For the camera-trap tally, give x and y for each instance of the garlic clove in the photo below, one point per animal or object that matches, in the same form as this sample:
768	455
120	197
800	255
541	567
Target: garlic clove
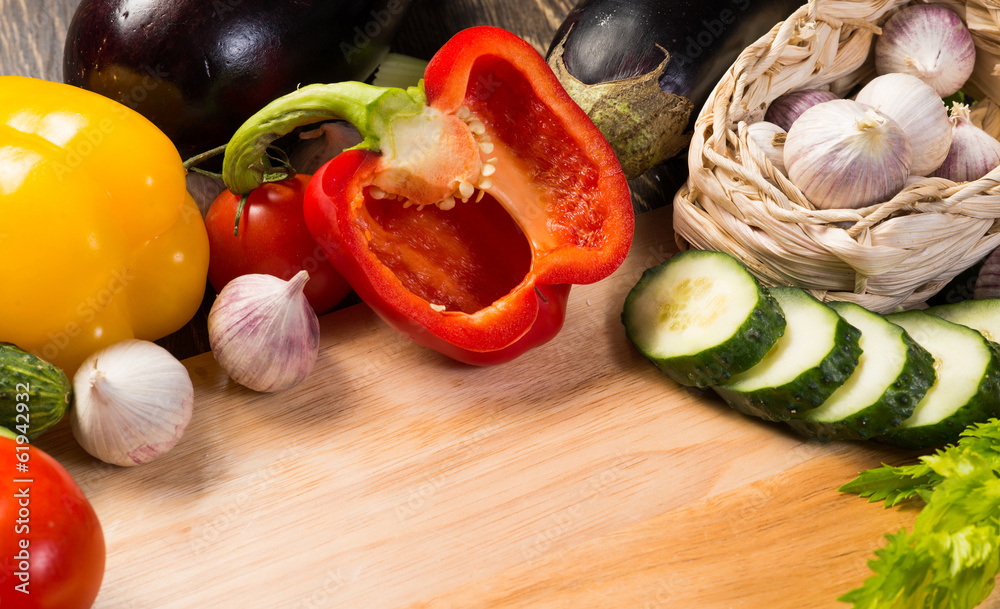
930	42
770	138
786	108
844	154
263	332
987	284
919	112
973	152
133	401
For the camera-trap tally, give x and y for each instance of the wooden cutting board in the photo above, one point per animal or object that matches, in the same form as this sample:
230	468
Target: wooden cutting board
576	476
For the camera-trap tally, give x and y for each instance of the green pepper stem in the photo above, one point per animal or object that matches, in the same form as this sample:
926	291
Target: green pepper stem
367	107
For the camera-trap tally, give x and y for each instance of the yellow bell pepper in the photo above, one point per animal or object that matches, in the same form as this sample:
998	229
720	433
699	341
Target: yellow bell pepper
99	239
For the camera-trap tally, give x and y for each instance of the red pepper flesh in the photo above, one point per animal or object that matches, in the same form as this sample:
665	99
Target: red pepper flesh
472	204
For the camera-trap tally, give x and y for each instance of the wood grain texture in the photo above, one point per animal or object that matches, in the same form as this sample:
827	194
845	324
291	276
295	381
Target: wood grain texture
32	35
577	476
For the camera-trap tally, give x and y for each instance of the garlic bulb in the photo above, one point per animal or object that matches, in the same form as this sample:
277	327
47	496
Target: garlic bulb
133	401
987	284
930	42
973	154
263	332
918	110
770	138
842	153
787	107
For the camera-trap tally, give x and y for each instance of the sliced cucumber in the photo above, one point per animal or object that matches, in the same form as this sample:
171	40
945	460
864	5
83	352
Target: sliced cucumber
967	388
982	316
817	354
893	374
701	317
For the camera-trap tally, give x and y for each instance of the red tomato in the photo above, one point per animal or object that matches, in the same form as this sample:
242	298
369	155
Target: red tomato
52	543
272	240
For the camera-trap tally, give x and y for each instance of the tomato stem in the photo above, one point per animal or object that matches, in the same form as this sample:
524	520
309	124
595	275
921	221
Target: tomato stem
191	164
239	214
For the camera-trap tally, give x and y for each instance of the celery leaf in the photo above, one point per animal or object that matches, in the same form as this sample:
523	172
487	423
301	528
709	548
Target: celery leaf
951	558
893	484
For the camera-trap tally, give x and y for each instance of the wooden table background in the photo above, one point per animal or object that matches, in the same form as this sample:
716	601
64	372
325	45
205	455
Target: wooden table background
575	477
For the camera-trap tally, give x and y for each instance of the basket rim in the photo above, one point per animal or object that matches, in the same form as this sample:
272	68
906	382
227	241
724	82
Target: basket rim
730	180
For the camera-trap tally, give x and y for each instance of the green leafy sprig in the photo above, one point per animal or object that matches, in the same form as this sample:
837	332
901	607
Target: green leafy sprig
951	558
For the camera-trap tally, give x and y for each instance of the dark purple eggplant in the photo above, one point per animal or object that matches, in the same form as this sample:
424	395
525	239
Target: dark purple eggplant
642	69
199	68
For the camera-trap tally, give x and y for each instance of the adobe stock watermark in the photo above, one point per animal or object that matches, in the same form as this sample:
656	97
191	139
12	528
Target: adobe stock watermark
221	7
239	507
419	497
150	81
94	134
663	594
565	520
86	312
375	27
334	581
713	30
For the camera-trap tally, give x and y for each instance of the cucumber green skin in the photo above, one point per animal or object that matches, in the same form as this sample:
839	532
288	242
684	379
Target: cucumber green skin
888	412
740	352
809	389
49	391
984	405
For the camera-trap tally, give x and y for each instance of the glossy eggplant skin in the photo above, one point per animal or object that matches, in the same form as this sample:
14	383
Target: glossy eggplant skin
199	68
688	45
608	40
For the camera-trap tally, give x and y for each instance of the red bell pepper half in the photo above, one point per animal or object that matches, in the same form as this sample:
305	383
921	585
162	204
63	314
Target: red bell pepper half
472	203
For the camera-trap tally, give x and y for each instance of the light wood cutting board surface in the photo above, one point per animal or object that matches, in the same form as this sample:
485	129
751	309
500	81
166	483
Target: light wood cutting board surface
577	476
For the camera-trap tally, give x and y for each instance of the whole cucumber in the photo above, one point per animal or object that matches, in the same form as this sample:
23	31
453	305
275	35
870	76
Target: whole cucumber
34	394
199	68
642	69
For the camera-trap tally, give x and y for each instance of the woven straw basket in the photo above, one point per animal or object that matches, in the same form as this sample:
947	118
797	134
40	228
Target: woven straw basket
885	257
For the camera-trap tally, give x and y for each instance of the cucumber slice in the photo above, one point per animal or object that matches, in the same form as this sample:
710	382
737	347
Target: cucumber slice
967	389
701	317
982	315
817	354
893	374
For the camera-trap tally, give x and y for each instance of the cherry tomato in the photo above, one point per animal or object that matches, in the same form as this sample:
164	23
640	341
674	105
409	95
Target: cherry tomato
272	240
52	543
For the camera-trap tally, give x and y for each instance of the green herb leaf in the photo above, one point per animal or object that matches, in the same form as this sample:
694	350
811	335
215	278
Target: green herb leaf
952	557
942	570
893	484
